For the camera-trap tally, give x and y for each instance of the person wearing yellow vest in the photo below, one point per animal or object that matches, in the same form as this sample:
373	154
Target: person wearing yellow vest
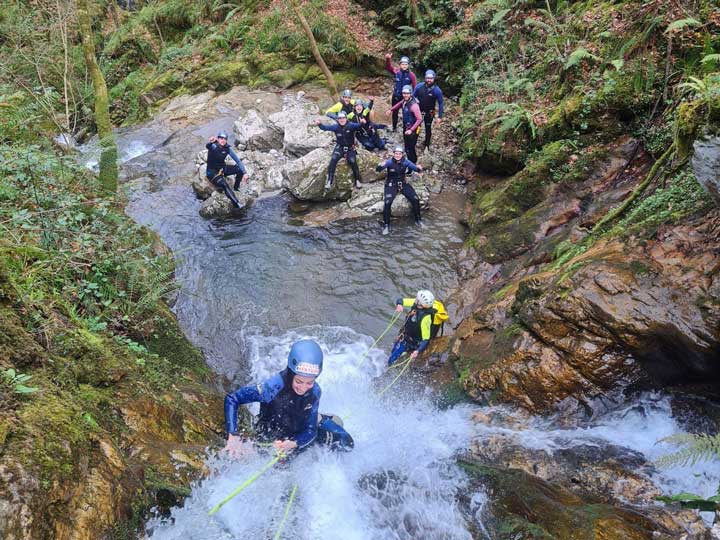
425	318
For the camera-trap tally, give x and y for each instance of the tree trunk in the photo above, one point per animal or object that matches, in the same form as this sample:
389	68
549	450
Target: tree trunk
316	52
108	155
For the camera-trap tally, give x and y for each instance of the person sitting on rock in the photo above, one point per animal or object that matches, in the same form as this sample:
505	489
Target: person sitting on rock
395	182
402	77
412	118
344	147
289	407
428	94
418	328
345	105
217	170
369	133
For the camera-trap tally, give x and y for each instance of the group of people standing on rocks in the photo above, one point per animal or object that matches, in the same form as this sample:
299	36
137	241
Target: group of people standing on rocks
412	103
290	418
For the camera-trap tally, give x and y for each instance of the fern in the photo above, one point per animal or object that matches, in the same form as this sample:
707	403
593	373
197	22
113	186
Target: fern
499	16
530	22
512	118
577	56
693	448
711	58
681	24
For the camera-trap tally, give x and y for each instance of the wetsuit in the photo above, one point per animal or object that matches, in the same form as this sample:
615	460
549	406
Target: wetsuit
218	170
283	413
401	78
369	133
412	118
428	96
416	333
344	148
395	183
286	415
333	111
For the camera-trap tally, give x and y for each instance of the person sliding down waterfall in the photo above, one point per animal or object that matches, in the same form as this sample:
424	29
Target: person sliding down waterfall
412	118
426	317
402	77
289	404
345	105
428	94
395	182
217	170
344	147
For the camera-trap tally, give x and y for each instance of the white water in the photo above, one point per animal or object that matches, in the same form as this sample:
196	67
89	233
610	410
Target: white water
402	438
638	426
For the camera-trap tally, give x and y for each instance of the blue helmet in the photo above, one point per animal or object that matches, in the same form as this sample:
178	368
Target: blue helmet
222	135
429	74
404	60
407	89
346	93
342	114
305	358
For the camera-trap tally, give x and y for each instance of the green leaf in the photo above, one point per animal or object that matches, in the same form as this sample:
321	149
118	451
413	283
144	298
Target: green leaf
530	22
681	24
711	58
22	389
499	16
577	56
618	64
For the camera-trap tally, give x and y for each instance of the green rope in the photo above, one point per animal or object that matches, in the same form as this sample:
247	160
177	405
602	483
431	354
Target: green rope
285	515
246	483
393	320
407	364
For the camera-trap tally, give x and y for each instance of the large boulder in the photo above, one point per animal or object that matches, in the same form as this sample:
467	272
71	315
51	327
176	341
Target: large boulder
297	120
254	132
370	199
305	177
706	164
265	168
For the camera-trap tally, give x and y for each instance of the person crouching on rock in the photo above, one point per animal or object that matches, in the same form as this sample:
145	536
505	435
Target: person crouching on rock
217	170
345	105
418	328
369	133
395	182
289	405
344	147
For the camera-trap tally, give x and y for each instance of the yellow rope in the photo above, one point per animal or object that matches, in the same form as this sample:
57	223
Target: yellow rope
285	515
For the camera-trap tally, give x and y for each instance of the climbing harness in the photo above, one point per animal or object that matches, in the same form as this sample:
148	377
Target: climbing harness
285	514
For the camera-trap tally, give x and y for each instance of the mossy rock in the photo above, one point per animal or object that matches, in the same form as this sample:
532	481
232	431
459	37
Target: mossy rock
18	348
220	77
525	506
161	87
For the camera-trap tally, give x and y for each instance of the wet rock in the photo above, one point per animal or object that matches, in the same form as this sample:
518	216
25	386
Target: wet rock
254	132
706	164
202	187
265	168
524	506
219	206
305	178
370	199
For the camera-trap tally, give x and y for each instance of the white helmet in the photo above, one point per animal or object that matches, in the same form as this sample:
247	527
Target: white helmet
425	298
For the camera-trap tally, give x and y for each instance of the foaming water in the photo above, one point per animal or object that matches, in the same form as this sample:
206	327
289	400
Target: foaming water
639	426
400	482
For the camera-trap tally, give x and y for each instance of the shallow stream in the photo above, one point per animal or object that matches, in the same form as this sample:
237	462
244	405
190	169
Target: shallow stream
252	285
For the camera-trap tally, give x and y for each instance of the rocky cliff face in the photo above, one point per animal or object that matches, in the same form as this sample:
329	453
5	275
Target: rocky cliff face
641	306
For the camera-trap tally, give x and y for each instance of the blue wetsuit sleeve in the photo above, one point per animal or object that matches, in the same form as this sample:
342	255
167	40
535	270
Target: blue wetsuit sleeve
380	126
309	433
209	145
441	105
238	161
410	165
264	393
382	166
241	396
354	125
417	88
325	127
423	345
